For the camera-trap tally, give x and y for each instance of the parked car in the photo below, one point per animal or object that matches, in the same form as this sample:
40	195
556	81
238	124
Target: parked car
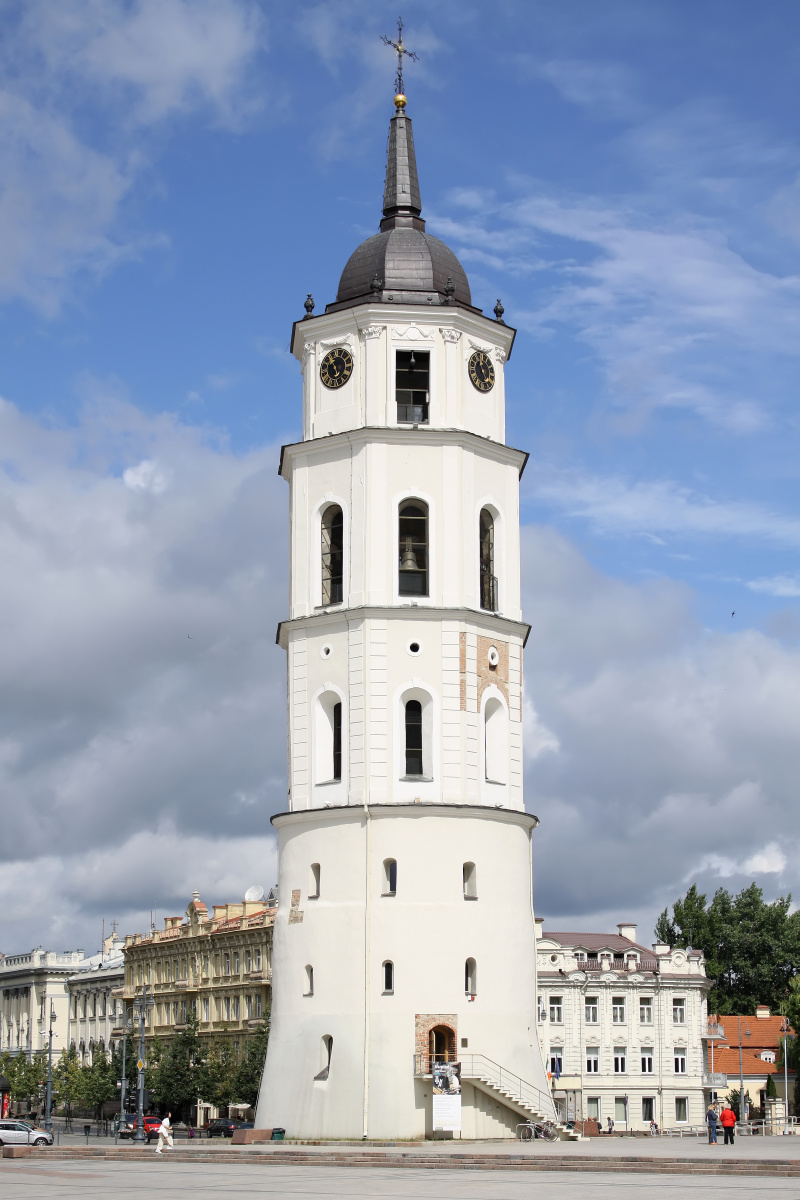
22	1133
223	1126
127	1126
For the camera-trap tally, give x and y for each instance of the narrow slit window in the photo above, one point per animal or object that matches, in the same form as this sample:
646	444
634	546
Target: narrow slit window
309	981
313	883
326	1052
413	737
337	741
495	722
413	549
470	881
332	555
412	379
389	877
388	977
488	576
470	977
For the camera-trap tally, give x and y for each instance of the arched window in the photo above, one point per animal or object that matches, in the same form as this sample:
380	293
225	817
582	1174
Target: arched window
388	977
325	1053
313	882
470	875
332	555
309	981
413	738
328	739
389	877
470	977
413	548
488	576
495	721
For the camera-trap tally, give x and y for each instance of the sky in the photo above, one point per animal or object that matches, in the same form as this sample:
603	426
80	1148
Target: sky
175	177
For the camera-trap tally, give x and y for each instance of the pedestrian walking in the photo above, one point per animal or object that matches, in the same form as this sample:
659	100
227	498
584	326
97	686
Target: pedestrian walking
712	1118
164	1134
728	1119
610	1125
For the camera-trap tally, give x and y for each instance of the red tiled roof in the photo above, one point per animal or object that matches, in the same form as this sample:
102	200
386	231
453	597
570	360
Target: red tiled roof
726	1059
765	1032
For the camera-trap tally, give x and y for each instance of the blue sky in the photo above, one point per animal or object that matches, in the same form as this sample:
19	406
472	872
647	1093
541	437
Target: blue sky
175	178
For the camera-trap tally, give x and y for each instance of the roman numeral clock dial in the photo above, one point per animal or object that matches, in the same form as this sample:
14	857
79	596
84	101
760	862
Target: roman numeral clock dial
336	367
481	371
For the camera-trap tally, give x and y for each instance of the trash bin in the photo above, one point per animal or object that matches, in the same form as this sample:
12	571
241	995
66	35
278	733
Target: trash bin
87	1129
278	1135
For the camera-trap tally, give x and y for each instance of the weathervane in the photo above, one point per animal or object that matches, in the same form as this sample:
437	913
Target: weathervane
401	52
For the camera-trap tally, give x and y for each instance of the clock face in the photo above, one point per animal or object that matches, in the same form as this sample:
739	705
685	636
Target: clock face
336	367
481	371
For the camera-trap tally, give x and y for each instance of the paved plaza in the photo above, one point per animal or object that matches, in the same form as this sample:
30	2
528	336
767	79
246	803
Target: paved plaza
88	1179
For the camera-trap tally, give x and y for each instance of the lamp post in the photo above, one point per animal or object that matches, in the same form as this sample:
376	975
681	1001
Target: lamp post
785	1027
48	1119
140	1007
741	1073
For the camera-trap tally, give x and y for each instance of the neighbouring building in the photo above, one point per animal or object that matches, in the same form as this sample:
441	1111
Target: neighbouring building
760	1043
95	1001
624	1028
30	985
217	965
404	938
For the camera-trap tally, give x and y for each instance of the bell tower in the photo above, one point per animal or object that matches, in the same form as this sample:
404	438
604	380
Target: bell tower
405	929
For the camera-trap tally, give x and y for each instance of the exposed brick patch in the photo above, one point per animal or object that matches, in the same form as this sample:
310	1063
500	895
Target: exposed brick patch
295	912
425	1022
487	674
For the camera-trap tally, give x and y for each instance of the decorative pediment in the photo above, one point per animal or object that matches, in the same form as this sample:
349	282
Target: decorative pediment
411	333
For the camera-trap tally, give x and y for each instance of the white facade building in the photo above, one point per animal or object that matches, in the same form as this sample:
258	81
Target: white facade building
624	1029
405	929
95	1001
30	984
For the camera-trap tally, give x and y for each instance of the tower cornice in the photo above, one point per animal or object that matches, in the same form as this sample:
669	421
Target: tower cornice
371	434
418	809
418	612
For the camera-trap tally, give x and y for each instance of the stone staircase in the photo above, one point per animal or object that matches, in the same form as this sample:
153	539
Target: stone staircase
529	1102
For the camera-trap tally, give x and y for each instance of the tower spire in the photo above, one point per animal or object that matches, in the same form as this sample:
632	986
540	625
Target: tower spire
401	199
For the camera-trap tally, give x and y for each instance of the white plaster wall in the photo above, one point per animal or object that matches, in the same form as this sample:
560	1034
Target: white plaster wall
427	930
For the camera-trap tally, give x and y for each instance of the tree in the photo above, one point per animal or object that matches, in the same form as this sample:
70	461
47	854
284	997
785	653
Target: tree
247	1077
222	1066
98	1083
25	1075
770	1090
179	1075
67	1080
752	947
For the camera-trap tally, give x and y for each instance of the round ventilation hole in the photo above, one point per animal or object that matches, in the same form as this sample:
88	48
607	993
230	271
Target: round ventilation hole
326	651
414	647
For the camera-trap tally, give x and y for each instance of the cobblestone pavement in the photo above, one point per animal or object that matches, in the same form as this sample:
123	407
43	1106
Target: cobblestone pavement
156	1178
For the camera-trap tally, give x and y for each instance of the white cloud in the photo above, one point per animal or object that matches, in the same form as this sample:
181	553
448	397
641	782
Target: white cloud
776	585
142	691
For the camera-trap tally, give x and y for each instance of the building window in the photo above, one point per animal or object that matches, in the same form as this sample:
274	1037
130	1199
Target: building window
332	555
227	964
176	973
227	1008
326	1052
646	1010
237	1008
258	1004
413	549
388	978
591	1010
681	1110
679	1057
337	741
328	738
258	959
412	376
488	577
471	977
249	1005
592	1060
470	881
495	730
183	1012
309	981
139	973
678	1011
620	1060
205	1009
648	1109
236	963
647	1060
206	966
313	882
618	1010
413	738
556	1061
621	1109
175	1012
389	877
593	1108
556	1010
248	961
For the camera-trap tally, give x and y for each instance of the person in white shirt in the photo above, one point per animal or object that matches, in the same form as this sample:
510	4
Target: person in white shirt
164	1134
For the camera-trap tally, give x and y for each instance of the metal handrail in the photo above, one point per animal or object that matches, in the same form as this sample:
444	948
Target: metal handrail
478	1066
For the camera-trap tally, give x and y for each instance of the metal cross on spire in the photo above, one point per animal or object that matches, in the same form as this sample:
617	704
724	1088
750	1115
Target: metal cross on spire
401	52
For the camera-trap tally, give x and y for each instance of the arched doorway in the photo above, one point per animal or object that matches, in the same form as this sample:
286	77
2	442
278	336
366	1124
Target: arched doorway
441	1044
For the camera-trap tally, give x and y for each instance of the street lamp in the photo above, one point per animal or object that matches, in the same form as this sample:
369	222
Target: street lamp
48	1120
141	1005
785	1030
741	1074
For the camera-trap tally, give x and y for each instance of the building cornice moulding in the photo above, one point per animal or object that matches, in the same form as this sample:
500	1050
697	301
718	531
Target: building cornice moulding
487	620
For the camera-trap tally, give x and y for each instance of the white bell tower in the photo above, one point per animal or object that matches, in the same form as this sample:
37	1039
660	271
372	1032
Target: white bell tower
405	927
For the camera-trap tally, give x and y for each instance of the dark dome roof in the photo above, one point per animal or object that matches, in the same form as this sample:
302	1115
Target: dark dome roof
402	264
404	261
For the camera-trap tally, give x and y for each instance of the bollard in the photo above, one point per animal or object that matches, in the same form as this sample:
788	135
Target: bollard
87	1129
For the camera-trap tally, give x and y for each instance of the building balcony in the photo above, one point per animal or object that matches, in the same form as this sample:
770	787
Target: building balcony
712	1029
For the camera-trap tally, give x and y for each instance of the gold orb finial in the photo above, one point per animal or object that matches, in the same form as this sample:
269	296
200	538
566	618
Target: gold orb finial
399	101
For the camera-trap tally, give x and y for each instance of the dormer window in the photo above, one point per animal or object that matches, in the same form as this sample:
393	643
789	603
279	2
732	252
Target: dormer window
412	376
